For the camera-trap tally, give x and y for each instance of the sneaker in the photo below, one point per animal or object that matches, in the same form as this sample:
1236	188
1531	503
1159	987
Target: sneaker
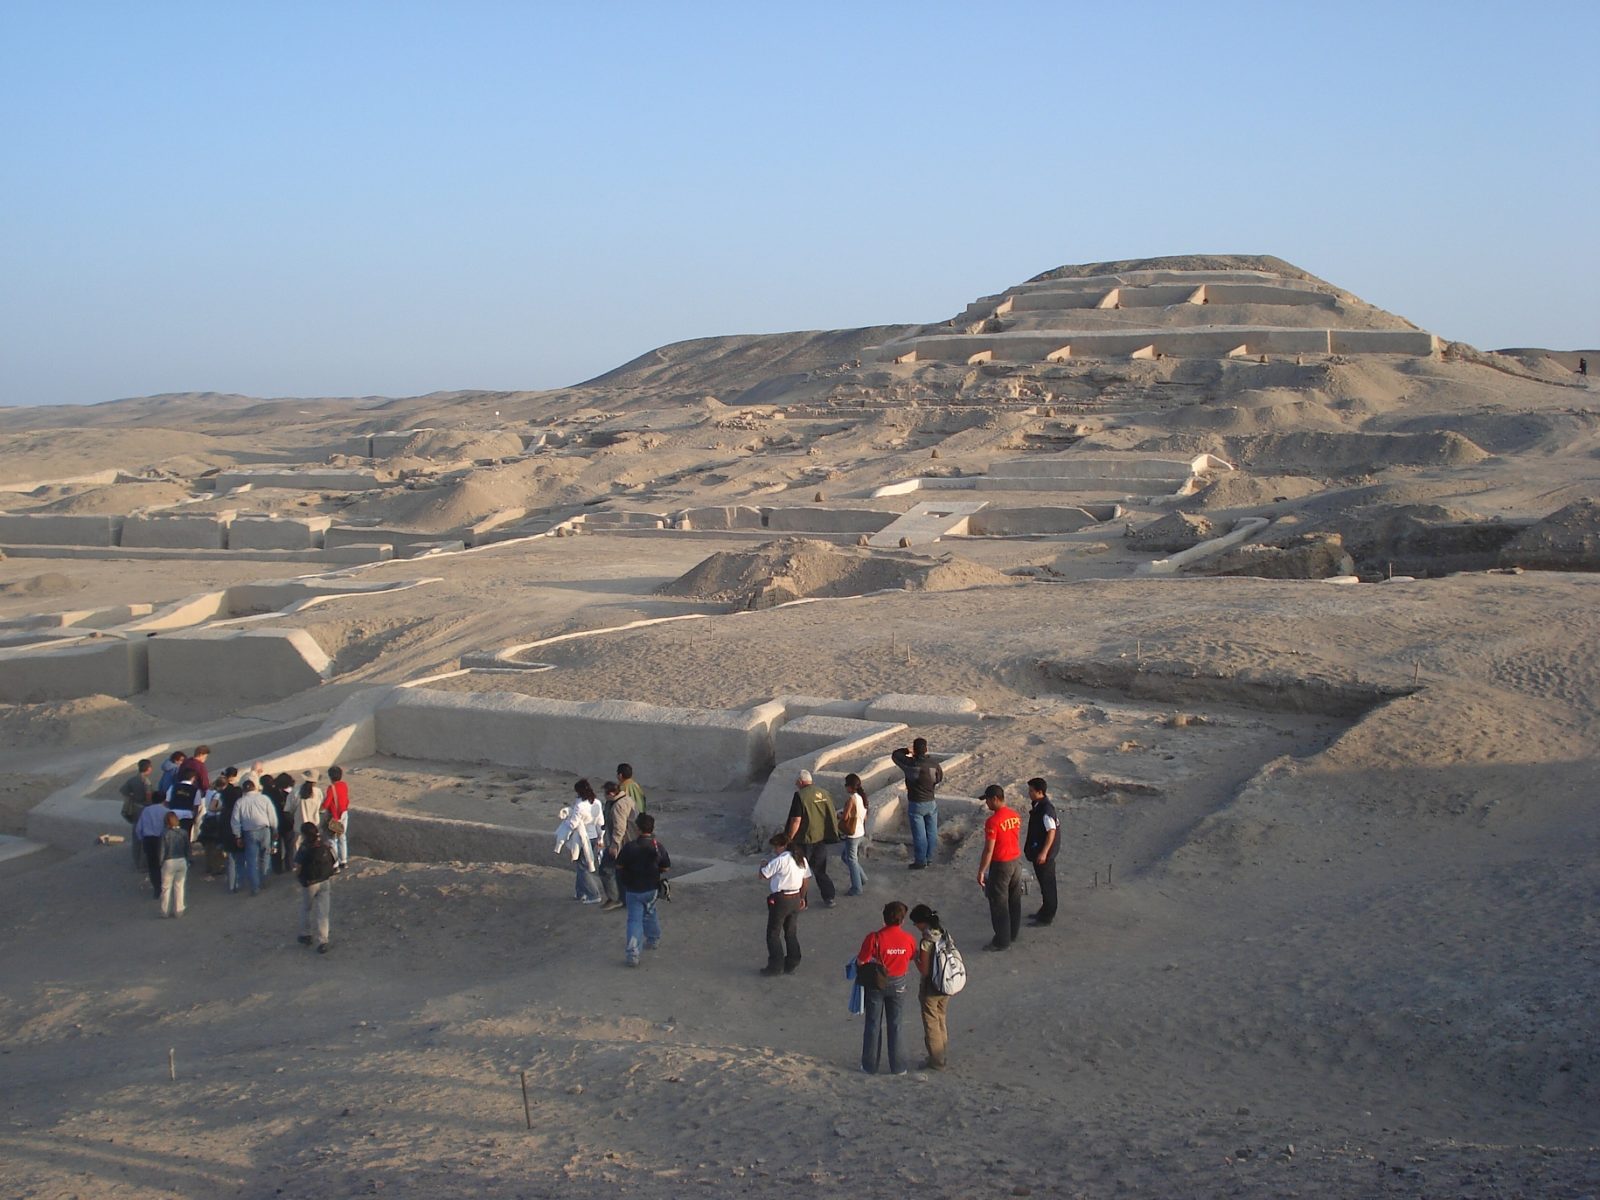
588	900
829	903
612	905
652	945
853	892
633	962
322	949
305	939
1036	919
928	1064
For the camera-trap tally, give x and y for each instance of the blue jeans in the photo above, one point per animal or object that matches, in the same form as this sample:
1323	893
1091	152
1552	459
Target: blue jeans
642	922
257	853
586	884
924	830
889	1002
852	863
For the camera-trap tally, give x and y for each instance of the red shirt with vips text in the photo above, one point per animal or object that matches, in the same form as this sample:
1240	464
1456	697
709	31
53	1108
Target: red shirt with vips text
893	947
1004	827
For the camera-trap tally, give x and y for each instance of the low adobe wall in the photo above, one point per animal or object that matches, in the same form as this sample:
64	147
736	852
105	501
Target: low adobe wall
105	666
688	748
828	520
330	479
236	666
59	529
200	531
1207	341
278	533
730	516
1009	522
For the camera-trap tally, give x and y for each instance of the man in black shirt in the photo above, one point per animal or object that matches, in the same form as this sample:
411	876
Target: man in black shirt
1044	842
640	867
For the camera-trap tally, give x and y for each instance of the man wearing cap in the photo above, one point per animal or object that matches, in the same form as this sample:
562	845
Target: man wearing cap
1000	871
814	823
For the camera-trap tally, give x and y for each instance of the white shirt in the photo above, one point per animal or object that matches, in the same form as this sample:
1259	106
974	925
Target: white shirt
856	807
307	808
783	874
592	817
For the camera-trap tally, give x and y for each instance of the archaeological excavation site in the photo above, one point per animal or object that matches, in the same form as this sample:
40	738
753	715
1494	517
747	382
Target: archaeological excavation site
1293	604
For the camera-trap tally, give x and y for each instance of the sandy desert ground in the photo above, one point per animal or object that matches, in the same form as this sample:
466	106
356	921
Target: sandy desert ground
1330	878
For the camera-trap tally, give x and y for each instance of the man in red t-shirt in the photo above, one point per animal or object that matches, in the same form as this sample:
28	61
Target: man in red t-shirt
1000	872
897	951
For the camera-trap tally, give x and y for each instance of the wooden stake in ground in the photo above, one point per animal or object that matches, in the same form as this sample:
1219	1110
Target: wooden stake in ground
172	1065
527	1113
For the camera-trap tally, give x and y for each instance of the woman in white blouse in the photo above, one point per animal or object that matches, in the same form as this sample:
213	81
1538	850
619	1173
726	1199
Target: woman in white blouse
788	876
853	825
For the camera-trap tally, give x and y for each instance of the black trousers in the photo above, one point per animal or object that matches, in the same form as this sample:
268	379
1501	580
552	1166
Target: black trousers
817	860
152	862
1046	875
1004	890
783	932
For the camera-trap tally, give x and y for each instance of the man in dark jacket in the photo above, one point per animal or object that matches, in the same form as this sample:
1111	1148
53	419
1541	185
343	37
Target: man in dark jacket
1041	847
640	868
923	776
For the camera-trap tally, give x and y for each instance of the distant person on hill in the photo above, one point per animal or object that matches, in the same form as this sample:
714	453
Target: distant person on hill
1000	871
628	784
853	828
336	804
1041	847
923	776
620	830
641	866
788	877
814	824
314	866
1583	366
136	792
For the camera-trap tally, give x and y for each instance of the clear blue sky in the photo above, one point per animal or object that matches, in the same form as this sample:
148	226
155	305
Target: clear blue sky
346	198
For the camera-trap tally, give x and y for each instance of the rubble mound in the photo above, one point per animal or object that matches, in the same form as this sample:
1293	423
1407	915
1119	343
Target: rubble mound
1311	557
1407	539
1239	490
1173	532
89	721
1566	540
796	568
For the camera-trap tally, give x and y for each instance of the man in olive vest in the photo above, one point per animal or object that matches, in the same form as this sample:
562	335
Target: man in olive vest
814	823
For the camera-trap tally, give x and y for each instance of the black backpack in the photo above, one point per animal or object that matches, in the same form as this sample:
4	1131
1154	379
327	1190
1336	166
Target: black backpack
318	865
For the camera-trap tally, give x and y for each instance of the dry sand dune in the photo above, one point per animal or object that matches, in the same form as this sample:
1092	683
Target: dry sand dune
1330	850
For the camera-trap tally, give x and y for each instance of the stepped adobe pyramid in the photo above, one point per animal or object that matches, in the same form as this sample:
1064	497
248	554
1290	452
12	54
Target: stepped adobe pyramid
1217	307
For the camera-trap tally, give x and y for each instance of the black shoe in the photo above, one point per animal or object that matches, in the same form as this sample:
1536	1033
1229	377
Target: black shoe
305	939
791	970
322	949
1036	919
771	971
995	946
916	866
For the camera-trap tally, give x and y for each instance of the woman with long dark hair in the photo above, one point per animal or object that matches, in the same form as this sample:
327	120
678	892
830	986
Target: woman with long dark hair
788	876
853	827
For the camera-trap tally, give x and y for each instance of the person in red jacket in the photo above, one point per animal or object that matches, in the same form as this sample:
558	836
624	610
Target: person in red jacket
896	950
336	804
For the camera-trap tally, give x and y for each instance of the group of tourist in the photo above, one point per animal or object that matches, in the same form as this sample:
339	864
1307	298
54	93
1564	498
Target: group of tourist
617	861
246	827
800	855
